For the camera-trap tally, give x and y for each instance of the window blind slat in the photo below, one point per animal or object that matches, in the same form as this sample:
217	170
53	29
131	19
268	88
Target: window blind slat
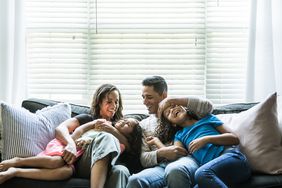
198	46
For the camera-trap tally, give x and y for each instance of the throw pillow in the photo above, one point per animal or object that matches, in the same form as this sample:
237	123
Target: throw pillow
258	131
26	134
279	112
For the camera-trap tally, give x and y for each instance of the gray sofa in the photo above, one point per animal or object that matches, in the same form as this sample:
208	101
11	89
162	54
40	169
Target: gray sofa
257	180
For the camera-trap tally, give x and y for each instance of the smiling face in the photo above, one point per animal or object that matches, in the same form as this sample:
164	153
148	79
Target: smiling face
126	126
109	105
175	114
151	99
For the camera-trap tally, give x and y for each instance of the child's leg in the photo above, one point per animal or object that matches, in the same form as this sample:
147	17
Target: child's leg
38	174
99	172
230	168
35	161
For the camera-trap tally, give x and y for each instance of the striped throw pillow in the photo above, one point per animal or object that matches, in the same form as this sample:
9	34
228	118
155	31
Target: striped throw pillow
26	134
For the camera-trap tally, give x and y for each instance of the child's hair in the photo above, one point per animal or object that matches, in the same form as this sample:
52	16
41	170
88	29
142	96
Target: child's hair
131	158
165	130
135	139
101	93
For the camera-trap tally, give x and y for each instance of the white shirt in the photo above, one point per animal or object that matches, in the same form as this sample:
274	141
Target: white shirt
148	154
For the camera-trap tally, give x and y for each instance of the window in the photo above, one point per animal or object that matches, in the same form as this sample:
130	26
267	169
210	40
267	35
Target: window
198	46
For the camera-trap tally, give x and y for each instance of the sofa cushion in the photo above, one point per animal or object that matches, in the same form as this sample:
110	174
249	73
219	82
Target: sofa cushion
233	108
34	104
260	138
25	133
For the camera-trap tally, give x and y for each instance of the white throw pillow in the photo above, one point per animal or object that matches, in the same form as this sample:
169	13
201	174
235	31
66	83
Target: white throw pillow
26	134
259	134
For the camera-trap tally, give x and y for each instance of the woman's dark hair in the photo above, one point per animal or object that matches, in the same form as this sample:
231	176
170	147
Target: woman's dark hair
102	92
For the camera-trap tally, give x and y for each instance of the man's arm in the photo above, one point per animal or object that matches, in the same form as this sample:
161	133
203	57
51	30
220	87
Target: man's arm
151	158
148	157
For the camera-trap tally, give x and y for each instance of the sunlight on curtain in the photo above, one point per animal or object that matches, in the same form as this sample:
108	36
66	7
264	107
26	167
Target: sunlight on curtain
12	56
265	60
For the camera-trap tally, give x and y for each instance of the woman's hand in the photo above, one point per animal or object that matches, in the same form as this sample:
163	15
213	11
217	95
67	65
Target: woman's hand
104	126
69	153
197	144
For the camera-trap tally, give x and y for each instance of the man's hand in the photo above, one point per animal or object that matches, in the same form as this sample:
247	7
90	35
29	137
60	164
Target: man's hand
152	140
171	153
69	154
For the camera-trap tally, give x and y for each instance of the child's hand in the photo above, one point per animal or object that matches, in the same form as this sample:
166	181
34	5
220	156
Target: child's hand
197	144
83	142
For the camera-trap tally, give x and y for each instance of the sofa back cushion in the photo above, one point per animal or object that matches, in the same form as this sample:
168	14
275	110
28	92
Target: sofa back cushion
34	104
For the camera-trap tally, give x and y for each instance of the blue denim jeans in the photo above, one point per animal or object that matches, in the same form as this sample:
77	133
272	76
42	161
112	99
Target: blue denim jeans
179	173
228	169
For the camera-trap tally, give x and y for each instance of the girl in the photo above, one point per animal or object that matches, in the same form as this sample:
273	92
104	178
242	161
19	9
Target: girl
51	158
221	165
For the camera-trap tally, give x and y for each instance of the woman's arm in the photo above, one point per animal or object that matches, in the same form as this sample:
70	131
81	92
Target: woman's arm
78	132
62	133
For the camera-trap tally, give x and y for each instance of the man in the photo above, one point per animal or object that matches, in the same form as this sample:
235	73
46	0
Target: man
159	172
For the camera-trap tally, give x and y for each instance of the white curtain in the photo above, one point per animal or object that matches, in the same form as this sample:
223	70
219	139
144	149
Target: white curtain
12	46
265	59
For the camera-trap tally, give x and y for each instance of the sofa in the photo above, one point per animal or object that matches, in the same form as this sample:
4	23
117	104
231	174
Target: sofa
258	180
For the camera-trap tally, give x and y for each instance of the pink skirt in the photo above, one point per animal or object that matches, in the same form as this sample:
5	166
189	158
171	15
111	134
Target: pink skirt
56	148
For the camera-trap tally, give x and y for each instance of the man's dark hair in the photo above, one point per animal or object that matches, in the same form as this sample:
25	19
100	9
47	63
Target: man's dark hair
159	84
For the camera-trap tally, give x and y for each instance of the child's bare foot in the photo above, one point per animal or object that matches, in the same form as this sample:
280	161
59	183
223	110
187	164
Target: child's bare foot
4	165
6	175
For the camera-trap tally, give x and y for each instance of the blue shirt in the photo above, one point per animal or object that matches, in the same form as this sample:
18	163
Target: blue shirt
203	127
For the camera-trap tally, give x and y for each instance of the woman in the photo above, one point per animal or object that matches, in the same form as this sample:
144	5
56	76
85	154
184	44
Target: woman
105	148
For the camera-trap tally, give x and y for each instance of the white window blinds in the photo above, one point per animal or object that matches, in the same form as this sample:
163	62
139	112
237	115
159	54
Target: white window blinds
198	46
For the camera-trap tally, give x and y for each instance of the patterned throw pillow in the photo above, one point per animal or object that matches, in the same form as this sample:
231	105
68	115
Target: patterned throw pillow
27	134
